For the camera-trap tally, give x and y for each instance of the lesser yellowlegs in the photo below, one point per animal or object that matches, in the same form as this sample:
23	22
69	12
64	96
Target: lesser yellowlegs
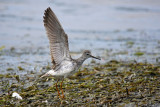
63	64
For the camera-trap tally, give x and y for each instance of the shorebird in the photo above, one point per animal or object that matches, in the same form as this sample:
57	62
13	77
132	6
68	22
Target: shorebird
63	64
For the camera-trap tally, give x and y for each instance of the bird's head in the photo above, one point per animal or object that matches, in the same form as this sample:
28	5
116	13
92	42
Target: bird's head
87	54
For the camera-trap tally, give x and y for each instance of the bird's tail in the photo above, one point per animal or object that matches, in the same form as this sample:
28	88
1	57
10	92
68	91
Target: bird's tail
44	75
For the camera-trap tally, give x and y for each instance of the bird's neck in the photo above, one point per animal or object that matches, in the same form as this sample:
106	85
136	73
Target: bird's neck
81	60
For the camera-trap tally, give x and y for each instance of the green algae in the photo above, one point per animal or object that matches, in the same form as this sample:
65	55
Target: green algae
1	48
138	53
20	68
10	69
130	43
114	83
8	75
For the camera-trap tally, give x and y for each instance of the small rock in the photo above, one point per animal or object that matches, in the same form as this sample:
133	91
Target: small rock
16	95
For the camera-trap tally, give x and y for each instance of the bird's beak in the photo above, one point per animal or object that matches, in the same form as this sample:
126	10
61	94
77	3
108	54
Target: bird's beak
96	57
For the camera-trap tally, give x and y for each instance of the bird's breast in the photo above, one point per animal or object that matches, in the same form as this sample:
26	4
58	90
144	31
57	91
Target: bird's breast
67	68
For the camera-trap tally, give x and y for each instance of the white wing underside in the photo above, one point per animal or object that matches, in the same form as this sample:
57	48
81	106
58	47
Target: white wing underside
58	39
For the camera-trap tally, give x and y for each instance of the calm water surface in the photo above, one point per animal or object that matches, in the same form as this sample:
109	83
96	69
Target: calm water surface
116	29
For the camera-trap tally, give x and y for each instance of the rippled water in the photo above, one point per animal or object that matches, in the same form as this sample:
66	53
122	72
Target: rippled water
114	29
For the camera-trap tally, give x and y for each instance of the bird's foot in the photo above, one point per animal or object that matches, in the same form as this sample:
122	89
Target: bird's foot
63	97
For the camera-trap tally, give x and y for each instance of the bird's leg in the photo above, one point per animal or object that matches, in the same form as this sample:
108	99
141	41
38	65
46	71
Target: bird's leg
57	90
62	89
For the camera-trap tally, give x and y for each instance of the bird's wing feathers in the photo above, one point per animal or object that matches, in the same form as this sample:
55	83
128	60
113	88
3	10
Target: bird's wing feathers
58	40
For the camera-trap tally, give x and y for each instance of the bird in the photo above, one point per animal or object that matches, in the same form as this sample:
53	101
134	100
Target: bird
63	64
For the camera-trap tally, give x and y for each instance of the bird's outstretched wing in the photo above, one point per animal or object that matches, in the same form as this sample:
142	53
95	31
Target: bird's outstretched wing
58	39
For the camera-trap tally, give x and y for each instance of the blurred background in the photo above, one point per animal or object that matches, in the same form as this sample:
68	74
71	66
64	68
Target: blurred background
123	30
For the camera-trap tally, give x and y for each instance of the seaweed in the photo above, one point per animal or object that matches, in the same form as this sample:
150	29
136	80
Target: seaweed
114	83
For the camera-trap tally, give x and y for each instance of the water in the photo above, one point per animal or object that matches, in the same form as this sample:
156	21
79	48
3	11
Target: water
104	27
